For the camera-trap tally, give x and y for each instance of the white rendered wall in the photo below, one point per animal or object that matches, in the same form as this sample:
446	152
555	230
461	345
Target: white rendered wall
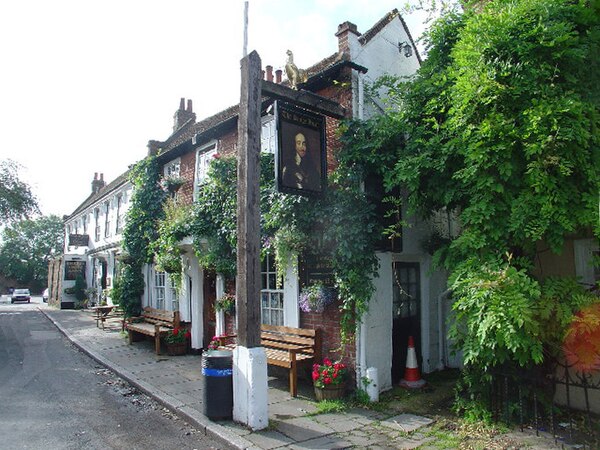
378	324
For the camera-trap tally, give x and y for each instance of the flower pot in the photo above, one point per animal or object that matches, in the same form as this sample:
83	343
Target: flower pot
175	349
329	392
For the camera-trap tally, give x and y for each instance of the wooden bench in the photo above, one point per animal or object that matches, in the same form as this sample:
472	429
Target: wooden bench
287	347
153	322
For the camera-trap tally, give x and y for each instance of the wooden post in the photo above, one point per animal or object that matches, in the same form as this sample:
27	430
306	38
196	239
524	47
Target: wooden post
250	388
248	207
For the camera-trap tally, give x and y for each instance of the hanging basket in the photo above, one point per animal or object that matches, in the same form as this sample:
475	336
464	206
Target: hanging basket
329	392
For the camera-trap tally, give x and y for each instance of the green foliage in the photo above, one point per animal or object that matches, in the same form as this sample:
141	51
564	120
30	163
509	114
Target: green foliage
495	315
140	232
16	199
27	247
500	125
340	223
79	288
561	299
171	230
131	289
213	224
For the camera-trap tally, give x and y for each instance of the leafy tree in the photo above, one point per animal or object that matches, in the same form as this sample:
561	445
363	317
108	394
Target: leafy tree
16	199
500	125
27	248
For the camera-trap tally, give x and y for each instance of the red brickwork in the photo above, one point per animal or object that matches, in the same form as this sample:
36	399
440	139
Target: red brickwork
329	323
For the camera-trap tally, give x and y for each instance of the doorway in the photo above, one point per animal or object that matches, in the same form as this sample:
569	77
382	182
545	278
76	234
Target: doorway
406	313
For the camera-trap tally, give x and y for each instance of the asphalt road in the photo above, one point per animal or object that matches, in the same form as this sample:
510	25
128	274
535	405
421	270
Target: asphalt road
52	396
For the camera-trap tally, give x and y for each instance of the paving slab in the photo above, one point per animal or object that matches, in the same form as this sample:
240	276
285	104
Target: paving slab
303	428
269	439
406	423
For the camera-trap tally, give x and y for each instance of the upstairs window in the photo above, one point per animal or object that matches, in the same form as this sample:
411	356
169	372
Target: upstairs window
204	156
119	219
107	219
172	169
97	224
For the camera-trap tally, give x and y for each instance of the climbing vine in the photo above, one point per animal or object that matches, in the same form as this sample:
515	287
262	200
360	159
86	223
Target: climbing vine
140	232
343	219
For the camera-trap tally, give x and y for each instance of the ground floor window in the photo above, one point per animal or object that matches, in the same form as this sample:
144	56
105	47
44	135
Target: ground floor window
160	279
165	294
271	295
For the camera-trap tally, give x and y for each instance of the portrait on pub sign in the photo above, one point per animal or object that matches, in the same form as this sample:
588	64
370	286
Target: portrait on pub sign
301	163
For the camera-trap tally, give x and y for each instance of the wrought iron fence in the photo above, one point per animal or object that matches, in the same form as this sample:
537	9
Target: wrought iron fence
562	403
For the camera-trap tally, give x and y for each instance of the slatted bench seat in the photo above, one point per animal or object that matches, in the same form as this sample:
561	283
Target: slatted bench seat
153	322
287	347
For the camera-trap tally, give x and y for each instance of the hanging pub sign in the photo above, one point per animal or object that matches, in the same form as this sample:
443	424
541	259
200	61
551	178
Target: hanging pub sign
79	240
74	268
302	155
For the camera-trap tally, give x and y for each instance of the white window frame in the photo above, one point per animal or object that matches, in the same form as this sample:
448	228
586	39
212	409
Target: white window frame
204	156
160	289
172	168
268	136
107	219
268	290
97	224
119	214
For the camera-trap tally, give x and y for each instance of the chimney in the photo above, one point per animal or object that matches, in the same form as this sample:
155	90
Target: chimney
343	35
153	147
278	74
182	115
270	73
97	184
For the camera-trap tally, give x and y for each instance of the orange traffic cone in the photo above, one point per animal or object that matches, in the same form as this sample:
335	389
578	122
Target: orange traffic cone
412	377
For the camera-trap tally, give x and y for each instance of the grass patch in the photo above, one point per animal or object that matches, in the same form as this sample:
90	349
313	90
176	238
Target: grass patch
331	406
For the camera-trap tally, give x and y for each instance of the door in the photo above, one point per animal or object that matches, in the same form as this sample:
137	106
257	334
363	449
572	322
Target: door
406	315
209	315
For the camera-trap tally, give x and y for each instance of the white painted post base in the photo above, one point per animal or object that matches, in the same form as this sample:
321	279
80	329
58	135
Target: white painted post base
250	387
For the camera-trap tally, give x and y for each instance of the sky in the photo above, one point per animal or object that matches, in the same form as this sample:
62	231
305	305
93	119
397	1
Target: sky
86	84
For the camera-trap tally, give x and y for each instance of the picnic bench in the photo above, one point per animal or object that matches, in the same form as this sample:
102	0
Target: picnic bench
153	322
104	312
286	347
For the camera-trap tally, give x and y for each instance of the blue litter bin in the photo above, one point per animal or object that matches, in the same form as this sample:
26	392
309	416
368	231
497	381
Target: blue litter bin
217	373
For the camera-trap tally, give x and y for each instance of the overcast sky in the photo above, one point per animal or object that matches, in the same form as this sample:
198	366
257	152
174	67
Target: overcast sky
85	84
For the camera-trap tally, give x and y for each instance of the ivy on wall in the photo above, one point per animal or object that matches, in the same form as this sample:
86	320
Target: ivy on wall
140	232
342	220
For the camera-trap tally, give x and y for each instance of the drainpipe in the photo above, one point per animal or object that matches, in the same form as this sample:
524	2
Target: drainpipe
442	329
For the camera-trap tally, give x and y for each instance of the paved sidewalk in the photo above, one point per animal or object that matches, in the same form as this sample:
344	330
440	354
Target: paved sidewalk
175	381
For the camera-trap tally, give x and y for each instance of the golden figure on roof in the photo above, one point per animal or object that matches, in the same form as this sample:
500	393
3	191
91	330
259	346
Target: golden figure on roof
295	75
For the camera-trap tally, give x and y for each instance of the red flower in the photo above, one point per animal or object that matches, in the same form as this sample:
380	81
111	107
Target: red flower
188	334
335	375
327	380
175	331
327	361
315	375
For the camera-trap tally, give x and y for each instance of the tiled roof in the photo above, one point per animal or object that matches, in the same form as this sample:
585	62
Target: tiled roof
93	198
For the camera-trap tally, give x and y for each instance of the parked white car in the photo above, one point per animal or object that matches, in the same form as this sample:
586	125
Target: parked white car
21	295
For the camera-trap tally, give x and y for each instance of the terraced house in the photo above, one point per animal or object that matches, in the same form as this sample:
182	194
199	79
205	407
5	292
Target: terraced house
409	296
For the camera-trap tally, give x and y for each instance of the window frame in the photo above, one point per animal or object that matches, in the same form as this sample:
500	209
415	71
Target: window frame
204	155
268	276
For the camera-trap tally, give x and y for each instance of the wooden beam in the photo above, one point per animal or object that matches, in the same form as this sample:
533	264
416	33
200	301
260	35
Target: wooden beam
248	209
304	99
